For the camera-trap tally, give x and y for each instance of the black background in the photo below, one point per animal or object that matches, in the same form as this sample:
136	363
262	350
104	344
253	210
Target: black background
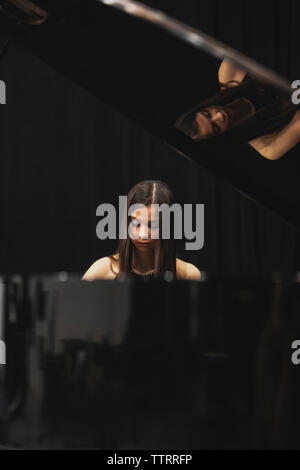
63	153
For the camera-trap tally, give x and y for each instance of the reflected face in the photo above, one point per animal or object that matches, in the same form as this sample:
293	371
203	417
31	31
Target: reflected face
215	120
142	221
212	121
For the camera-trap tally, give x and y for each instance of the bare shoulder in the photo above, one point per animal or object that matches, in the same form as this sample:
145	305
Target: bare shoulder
229	73
103	268
187	270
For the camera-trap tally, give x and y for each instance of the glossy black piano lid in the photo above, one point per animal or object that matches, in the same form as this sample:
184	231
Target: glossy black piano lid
152	77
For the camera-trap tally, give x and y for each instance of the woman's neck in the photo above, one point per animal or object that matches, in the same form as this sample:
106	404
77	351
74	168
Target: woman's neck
142	262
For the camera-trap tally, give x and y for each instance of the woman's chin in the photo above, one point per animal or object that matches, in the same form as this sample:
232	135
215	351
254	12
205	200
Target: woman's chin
143	245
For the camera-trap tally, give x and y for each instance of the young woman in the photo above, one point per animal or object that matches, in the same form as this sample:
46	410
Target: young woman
245	110
145	253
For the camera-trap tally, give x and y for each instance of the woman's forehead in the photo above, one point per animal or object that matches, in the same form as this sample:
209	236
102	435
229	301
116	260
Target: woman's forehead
145	212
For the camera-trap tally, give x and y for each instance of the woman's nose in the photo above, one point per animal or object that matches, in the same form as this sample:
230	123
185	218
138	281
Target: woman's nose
143	231
218	116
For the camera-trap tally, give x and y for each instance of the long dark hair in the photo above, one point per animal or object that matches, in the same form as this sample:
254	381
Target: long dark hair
149	192
276	112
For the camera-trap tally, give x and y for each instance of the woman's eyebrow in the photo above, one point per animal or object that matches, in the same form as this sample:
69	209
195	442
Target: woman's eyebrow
211	123
194	128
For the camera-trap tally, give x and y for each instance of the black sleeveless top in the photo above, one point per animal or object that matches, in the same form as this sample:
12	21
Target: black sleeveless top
139	277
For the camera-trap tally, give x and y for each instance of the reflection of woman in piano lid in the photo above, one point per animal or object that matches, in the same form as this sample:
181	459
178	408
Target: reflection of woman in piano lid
245	110
145	257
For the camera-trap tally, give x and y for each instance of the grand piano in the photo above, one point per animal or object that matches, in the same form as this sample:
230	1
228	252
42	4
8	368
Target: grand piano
201	365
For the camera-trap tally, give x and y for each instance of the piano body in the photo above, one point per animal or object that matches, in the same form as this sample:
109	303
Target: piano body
162	365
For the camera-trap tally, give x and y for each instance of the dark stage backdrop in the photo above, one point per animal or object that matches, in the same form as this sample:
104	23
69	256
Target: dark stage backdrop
63	153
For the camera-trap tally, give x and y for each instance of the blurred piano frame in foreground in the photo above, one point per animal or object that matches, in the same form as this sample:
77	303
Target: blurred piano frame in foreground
137	365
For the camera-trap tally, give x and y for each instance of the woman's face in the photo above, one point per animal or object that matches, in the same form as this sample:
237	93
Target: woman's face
215	120
143	228
212	121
